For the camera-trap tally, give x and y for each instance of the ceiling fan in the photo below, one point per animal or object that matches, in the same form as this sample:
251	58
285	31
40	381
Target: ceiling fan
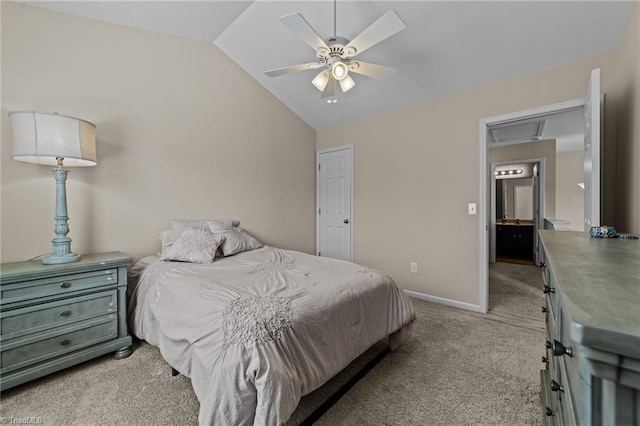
336	55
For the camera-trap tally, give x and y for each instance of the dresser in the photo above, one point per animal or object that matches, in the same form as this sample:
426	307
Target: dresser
591	359
56	316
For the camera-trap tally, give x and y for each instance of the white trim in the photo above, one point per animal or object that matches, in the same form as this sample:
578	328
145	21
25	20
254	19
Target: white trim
483	261
483	258
318	153
443	301
535	112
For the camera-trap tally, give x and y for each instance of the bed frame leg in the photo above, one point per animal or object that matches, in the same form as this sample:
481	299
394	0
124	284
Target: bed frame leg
174	372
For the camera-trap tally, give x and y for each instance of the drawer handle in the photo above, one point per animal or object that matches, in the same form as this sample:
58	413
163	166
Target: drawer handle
542	264
544	310
65	343
548	290
65	285
65	313
544	360
549	412
559	349
555	386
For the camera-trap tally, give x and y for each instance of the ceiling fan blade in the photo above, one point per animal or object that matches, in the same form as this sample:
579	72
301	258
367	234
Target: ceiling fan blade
296	23
294	68
387	25
367	69
330	88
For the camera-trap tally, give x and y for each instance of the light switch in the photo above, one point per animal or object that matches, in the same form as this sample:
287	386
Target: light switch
472	208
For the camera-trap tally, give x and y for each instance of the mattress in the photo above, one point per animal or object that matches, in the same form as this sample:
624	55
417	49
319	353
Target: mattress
258	330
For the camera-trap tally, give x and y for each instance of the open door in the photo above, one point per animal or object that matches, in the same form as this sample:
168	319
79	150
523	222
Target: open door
592	150
538	220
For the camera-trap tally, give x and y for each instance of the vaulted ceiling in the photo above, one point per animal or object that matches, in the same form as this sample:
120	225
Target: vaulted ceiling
447	46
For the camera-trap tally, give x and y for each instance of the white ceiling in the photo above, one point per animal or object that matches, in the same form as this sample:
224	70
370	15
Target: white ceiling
447	46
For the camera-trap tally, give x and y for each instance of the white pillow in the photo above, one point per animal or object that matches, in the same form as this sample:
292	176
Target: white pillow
190	245
236	240
201	224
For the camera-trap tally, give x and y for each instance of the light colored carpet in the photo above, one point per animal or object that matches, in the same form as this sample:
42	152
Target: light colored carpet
460	368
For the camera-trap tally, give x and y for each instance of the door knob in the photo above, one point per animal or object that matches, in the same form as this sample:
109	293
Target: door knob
345	221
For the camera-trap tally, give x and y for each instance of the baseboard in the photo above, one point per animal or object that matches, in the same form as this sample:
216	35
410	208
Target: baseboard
443	301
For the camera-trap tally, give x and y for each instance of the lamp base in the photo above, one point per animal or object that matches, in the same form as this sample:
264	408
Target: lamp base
55	259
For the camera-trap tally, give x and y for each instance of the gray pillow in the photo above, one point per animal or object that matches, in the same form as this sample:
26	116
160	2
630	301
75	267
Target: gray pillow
236	239
190	245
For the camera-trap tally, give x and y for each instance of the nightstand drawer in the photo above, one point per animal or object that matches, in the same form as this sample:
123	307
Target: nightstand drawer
61	285
24	352
32	319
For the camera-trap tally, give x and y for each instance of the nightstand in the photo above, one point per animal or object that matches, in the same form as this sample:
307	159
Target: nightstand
56	316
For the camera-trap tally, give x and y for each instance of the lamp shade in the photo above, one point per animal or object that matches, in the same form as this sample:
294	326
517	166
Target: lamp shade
41	138
321	80
347	83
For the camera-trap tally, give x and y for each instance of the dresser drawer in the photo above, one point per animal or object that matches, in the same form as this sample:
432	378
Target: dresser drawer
549	404
570	366
60	285
549	287
568	396
32	319
23	352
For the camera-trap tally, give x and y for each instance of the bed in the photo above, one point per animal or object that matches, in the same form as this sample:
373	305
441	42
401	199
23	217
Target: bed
258	329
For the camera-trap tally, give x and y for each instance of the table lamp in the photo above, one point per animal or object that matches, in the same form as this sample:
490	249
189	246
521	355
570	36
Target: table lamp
51	139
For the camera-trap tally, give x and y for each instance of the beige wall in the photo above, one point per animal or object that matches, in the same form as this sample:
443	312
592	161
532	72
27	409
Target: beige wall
569	196
625	94
416	168
182	131
524	151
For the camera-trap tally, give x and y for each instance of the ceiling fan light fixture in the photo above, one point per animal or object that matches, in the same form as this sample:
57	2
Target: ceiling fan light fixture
347	83
339	70
335	54
321	80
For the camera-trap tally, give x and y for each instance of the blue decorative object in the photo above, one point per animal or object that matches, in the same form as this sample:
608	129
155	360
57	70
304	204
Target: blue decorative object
627	236
50	139
602	231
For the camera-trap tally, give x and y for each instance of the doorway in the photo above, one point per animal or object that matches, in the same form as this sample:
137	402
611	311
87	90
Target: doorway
592	105
517	204
485	179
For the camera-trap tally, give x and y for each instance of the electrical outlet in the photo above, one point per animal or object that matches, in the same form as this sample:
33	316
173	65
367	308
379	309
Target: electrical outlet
413	267
472	208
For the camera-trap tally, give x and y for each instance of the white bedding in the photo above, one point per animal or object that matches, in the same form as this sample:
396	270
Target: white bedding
257	331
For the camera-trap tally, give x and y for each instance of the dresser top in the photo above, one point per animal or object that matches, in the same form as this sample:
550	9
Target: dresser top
35	268
599	283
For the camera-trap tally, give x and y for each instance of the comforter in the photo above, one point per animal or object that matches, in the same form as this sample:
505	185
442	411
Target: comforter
258	330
